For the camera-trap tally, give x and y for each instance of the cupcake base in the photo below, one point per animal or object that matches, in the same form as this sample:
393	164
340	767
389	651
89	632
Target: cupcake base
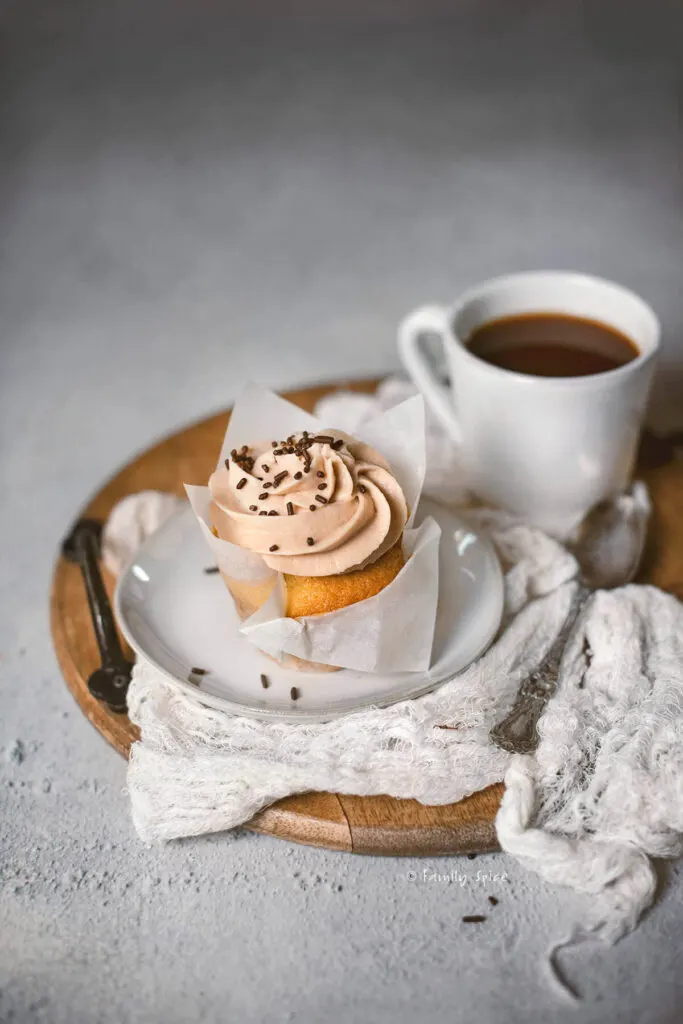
318	595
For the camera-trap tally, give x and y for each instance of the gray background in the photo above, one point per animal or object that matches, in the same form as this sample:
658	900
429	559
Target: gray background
191	196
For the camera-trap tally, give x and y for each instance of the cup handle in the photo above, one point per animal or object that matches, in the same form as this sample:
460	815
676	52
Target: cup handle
432	319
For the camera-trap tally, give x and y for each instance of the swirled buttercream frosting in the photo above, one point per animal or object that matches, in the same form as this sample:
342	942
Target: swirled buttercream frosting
312	505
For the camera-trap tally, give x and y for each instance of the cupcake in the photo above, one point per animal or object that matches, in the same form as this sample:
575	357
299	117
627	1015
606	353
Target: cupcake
324	511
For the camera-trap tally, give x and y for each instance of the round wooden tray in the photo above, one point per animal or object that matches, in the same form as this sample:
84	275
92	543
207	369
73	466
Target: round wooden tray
359	824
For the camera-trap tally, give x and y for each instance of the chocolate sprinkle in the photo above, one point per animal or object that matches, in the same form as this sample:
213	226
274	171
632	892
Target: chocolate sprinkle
323	438
262	497
320	473
253	508
273	512
242	483
273	547
265	682
263	513
322	487
362	488
319	497
274	444
290	509
266	469
337	444
310	542
493	901
198	671
211	570
313	508
474	918
297	476
227	463
233	452
294	693
267	484
277	480
245	462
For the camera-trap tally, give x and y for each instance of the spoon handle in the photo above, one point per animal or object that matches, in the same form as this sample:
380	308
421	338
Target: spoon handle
518	733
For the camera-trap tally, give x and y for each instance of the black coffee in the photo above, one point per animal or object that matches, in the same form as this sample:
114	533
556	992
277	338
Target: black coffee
552	345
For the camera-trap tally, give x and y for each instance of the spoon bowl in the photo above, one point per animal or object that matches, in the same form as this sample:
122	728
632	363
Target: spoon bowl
609	542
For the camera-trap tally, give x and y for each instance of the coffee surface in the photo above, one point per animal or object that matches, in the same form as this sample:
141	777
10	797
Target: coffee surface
552	345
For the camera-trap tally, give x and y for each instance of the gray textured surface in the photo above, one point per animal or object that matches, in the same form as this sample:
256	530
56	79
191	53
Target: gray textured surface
189	198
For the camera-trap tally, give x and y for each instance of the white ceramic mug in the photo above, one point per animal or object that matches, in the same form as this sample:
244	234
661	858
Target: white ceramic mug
546	448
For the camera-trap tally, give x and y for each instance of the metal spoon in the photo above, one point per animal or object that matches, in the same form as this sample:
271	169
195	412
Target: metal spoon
608	547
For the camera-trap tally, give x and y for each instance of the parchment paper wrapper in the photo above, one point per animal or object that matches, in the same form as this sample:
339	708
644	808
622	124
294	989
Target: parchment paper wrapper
390	632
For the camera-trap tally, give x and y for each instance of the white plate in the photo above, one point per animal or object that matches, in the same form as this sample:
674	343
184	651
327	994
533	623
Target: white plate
178	617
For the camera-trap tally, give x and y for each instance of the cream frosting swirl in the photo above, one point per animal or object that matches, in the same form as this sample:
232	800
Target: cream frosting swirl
311	506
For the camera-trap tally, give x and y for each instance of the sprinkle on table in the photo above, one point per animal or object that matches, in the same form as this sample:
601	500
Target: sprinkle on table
294	693
265	682
211	570
474	918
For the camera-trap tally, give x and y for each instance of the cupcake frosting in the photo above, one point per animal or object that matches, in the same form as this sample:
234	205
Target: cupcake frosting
313	505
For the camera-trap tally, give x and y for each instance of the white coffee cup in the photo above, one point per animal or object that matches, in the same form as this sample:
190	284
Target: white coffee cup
547	448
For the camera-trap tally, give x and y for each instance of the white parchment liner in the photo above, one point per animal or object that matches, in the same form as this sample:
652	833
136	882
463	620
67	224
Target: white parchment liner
391	632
